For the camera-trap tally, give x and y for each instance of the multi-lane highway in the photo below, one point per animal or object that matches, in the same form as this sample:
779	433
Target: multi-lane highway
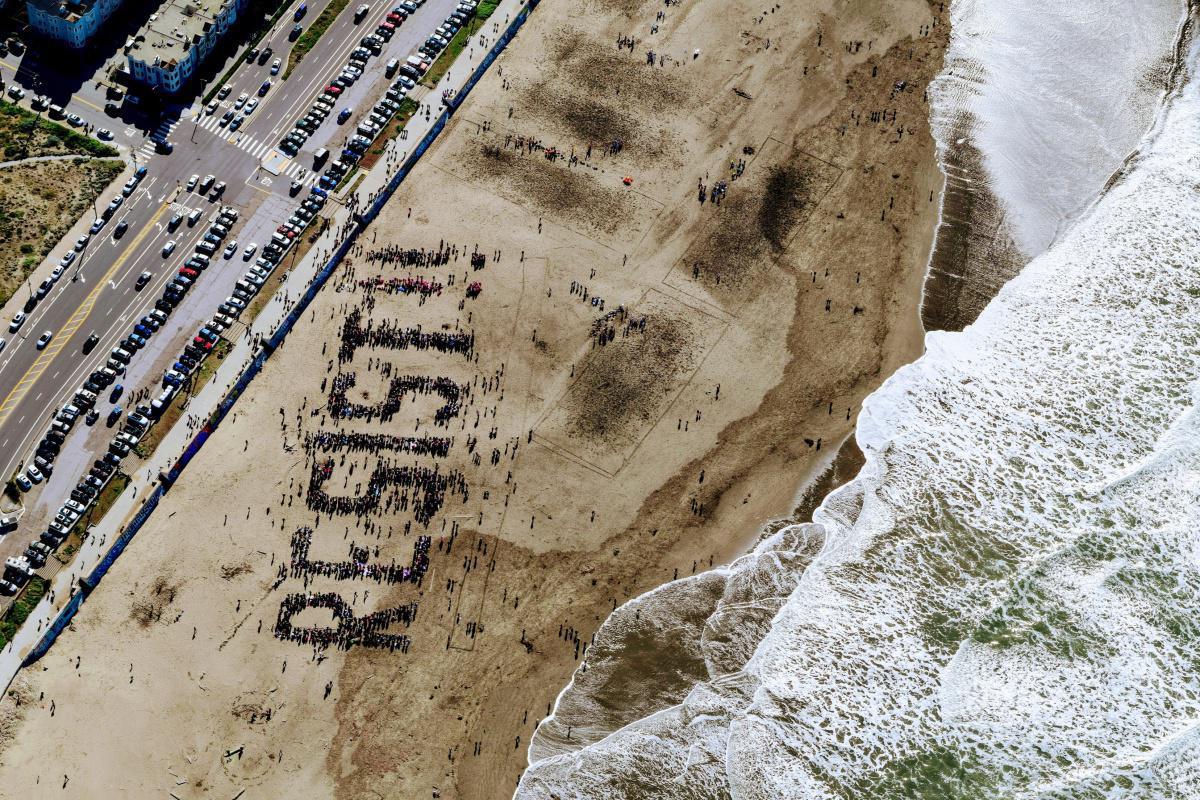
100	296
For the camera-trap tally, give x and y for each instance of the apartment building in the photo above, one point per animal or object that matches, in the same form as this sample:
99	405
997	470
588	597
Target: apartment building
72	22
177	38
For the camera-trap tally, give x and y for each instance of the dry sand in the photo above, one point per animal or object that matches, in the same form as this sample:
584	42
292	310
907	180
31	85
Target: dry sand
590	472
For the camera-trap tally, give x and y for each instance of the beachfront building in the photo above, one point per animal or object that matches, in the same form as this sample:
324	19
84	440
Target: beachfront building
72	22
177	39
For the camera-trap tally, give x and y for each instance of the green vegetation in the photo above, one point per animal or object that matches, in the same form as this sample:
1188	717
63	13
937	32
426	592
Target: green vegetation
408	107
457	44
171	414
304	243
112	490
21	608
39	202
24	134
313	34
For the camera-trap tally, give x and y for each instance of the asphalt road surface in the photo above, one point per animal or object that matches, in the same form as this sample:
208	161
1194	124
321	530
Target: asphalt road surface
97	294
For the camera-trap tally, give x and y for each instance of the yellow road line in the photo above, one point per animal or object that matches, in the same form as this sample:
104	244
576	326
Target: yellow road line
73	324
87	103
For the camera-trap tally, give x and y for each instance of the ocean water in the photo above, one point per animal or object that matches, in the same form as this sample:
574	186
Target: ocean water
1057	95
1004	603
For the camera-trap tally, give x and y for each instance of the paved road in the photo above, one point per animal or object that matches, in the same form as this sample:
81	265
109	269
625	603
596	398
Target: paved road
97	295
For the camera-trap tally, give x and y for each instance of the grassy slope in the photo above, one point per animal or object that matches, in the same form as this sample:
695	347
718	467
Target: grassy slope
39	203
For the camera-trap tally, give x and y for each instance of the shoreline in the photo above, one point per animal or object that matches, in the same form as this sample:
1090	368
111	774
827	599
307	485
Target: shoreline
586	502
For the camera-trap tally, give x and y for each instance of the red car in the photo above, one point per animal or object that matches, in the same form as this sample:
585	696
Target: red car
190	273
333	90
286	231
202	343
395	18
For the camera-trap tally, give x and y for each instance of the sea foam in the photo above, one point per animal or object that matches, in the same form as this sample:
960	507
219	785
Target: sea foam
1006	601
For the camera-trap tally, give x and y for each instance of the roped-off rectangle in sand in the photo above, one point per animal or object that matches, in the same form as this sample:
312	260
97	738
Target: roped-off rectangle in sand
625	386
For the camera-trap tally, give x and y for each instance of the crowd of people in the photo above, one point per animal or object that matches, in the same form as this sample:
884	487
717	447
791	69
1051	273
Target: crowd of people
359	566
351	630
393	335
409	285
332	441
412	256
429	487
341	407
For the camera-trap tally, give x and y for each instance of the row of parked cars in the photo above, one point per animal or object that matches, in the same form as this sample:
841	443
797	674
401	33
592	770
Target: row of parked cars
370	46
138	421
20	569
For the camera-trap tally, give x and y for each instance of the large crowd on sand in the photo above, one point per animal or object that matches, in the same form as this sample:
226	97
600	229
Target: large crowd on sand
394	335
402	477
340	406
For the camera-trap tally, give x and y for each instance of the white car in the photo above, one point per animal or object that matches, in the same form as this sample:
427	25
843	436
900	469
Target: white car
17	321
44	339
168	248
192	181
230	249
16	92
82	241
105	134
35	474
241	100
251	104
249	252
275	66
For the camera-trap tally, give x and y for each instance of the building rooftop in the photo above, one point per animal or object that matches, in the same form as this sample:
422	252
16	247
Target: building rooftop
174	29
70	10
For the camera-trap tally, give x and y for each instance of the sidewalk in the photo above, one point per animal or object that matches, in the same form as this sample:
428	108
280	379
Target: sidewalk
202	405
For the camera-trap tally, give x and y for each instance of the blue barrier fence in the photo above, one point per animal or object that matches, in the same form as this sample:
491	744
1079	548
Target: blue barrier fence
256	364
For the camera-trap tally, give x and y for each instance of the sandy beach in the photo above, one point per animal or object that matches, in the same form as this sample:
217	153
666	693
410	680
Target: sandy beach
619	319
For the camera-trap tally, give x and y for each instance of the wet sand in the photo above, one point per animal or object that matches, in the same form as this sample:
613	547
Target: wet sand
595	451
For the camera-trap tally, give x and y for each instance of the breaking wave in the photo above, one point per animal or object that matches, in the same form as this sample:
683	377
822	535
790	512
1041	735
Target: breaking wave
1006	600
